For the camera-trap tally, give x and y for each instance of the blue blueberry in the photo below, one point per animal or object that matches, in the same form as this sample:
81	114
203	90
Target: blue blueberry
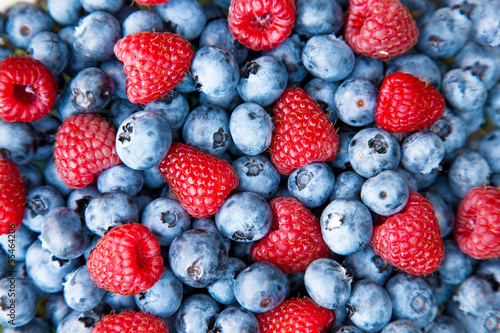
370	307
463	90
469	169
36	325
91	90
474	118
17	141
78	322
79	199
187	84
64	12
235	319
422	152
490	270
328	57
183	17
328	283
223	290
108	210
4	51
251	128
227	102
31	175
109	6
424	181
52	178
17	247
93	242
207	128
120	109
346	226
452	130
173	106
318	17
19	307
348	329
368	69
366	264
469	322
347	186
46	129
443	291
5	266
355	100
198	257
444	213
114	68
95	36
419	65
475	296
143	140
196	314
480	61
166	219
456	266
312	184
401	326
263	80
257	174
342	160
39	202
323	92
50	50
489	147
120	178
244	217
386	193
261	287
409	178
141	21
120	303
208	224
485	30
289	52
63	105
80	292
56	308
492	106
444	324
373	150
153	179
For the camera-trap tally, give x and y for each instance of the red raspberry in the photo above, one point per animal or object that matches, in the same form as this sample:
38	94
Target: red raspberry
411	239
150	2
130	322
27	89
155	62
302	132
406	103
200	182
84	147
477	223
261	24
379	28
126	260
298	315
295	239
12	197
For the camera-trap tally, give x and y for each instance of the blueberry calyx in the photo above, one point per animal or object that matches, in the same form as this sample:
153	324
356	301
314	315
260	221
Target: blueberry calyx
380	264
351	309
220	138
128	129
88	322
195	271
238	236
419	303
435	42
265	303
334	221
302	179
250	68
254	168
60	261
378	144
36	206
170	218
5	154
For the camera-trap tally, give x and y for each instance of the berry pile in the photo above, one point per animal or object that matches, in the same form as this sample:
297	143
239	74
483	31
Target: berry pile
258	166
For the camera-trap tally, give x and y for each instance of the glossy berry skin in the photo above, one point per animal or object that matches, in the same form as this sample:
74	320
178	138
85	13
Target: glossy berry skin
405	104
129	322
183	17
85	146
203	187
126	260
386	193
12	197
153	74
302	134
395	240
477	223
233	319
196	314
296	315
422	152
312	184
27	89
366	264
257	174
223	289
50	50
91	90
24	300
380	28
80	292
261	25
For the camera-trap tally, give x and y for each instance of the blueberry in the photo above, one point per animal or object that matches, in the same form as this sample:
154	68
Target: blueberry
323	92
452	130
39	202
31	175
475	296
409	178
198	257
80	292
52	178
120	303
120	178
422	152
196	314
401	326
463	90
328	57
456	266
36	325
223	290
386	193
17	308
120	109
373	150
153	178
91	90
355	101
263	80
490	270
368	69
349	329
166	219
318	17
493	104
444	324
257	174
110	6
469	322
312	184
143	140
78	322
370	307
347	186
17	246
227	102
46	129
419	65
346	226
366	264
141	21
17	141
50	50
183	17
328	283
469	169
480	61
261	287
4	51
64	12
56	308
114	69
63	105
208	224
485	30
444	213
244	217
79	199
489	147
234	319
173	106
164	298
207	128
342	160
109	209
474	118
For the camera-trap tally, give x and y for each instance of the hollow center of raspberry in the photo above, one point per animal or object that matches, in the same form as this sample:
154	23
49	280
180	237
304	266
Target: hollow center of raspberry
263	22
24	94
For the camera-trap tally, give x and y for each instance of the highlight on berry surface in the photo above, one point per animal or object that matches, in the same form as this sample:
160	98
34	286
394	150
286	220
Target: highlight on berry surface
132	321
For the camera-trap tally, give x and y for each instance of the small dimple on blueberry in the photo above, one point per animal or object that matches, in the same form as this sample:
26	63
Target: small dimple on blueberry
195	271
170	218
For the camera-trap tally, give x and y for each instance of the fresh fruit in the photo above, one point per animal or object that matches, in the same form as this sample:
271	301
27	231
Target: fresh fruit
84	147
150	2
27	89
380	28
294	240
406	103
130	322
126	260
302	132
411	239
154	63
12	197
477	224
200	181
262	24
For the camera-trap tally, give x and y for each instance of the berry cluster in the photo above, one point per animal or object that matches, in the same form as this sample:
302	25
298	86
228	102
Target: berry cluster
258	166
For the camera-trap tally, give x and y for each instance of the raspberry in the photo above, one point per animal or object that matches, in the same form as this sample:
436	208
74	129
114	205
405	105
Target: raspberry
130	322
295	239
150	2
411	239
477	223
302	132
261	24
406	104
27	89
154	63
84	147
379	28
200	181
12	197
299	315
126	260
